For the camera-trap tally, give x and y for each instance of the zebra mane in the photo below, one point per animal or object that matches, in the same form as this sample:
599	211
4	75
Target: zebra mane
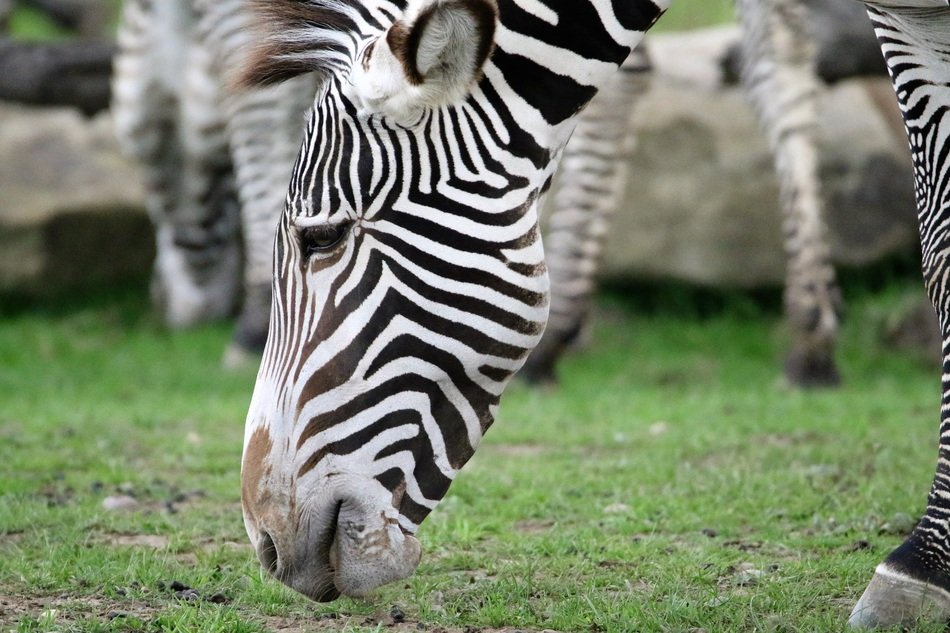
293	37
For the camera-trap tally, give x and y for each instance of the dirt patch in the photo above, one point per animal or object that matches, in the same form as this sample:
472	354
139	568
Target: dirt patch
534	526
211	545
65	608
333	622
155	541
516	450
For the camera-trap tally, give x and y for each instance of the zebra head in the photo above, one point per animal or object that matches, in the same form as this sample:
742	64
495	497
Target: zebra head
409	280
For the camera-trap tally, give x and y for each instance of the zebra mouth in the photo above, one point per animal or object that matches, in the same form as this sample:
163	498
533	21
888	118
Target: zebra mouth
327	550
368	548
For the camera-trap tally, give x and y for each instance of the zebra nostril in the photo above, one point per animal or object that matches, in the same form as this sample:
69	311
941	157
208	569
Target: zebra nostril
267	553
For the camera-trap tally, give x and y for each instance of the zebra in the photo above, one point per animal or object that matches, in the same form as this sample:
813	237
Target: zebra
410	281
215	161
778	75
409	277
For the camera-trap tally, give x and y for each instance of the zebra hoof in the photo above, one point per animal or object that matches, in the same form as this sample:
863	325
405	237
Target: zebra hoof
810	369
895	599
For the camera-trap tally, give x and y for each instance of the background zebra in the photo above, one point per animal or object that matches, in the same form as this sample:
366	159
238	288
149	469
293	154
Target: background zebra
216	161
778	75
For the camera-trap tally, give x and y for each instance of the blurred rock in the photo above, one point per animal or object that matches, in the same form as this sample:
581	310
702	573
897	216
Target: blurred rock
119	503
846	43
701	200
71	210
72	73
913	327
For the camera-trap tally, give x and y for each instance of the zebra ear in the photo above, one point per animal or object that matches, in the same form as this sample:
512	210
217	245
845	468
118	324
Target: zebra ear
429	58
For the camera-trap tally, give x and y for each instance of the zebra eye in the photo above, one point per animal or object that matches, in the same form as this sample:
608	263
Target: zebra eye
315	240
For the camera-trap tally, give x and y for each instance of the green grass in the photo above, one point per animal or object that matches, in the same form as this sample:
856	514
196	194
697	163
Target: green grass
693	14
29	23
670	484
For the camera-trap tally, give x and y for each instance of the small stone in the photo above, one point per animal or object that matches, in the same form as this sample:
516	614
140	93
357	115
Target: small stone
859	545
115	503
748	577
397	615
899	525
711	533
188	595
718	601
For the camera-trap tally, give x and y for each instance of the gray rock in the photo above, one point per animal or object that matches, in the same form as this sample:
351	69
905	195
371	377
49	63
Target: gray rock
846	43
71	210
701	201
117	503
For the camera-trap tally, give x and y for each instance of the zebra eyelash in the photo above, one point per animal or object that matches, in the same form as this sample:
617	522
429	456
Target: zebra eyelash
323	239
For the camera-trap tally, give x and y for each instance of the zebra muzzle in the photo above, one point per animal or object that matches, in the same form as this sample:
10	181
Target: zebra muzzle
370	548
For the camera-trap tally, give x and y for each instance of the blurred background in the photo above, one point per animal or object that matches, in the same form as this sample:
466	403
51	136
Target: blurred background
670	451
72	213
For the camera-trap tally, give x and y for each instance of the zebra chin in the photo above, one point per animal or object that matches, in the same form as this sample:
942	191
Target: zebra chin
348	542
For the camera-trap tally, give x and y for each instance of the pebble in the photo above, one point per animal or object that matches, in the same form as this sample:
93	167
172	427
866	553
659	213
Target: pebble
188	595
119	502
397	615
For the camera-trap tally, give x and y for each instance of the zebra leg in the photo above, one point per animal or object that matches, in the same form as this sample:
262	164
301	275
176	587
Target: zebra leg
913	583
591	179
265	125
166	114
264	129
778	74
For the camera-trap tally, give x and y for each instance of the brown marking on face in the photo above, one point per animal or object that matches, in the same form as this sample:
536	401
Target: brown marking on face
398	37
254	469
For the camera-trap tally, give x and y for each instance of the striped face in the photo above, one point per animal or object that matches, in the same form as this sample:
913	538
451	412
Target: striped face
409	276
409	287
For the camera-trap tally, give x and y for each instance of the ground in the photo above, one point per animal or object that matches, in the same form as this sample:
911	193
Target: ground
671	482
